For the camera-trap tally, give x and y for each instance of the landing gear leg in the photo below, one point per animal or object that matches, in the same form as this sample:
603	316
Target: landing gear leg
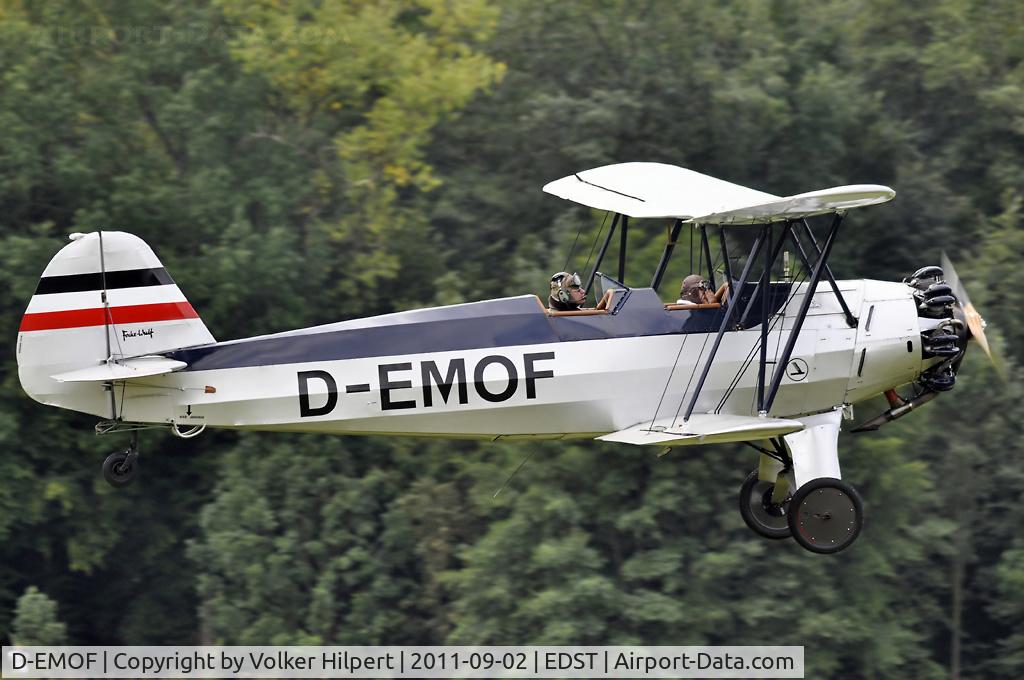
121	468
764	496
825	514
760	513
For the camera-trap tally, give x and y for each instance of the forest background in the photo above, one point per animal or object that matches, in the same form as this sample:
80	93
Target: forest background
297	163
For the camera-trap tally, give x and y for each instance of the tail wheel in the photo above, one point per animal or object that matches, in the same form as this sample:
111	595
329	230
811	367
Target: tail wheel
120	469
826	515
764	517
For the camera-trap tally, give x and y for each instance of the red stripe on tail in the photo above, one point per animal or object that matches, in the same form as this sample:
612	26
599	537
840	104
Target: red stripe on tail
80	318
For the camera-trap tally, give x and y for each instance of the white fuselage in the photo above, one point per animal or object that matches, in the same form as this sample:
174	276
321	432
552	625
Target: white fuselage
551	389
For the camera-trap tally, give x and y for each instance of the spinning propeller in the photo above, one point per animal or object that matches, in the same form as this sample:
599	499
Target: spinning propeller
975	323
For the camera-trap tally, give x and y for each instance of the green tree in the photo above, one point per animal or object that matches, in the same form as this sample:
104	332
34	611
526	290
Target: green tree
240	188
363	86
106	127
321	542
36	622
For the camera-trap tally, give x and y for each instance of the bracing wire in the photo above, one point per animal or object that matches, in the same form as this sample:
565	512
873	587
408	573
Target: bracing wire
748	361
120	411
781	314
703	346
806	273
112	327
750	355
669	381
691	251
690	381
739	375
777	317
700	261
778	342
565	267
593	245
675	364
765	451
714	262
514	473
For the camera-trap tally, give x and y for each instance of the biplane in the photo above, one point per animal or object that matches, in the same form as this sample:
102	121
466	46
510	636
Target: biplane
776	364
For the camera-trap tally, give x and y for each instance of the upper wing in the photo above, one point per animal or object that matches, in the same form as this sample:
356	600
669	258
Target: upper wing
126	369
809	204
653	190
704	428
660	190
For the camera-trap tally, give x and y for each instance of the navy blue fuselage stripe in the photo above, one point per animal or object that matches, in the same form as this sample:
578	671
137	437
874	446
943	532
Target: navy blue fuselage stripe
379	341
127	278
642	315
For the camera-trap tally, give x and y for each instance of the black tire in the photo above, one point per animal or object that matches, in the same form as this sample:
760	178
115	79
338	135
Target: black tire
120	469
759	513
826	515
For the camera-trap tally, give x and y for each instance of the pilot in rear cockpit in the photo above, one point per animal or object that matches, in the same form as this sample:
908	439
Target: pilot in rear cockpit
695	290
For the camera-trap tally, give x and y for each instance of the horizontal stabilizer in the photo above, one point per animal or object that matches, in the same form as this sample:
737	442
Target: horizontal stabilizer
661	190
703	428
126	369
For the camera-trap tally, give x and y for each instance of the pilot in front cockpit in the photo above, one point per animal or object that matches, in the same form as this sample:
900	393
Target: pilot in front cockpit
568	295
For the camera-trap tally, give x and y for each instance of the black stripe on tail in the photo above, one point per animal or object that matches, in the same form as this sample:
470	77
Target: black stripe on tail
127	278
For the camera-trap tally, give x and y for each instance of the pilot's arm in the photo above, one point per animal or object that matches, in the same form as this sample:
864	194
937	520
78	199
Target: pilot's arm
606	299
721	292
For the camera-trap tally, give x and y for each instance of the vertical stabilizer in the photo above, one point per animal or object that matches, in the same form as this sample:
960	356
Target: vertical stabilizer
103	298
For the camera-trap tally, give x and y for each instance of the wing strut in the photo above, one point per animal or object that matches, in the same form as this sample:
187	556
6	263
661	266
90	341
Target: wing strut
851	320
728	266
766	282
726	321
600	253
666	254
805	305
707	256
622	248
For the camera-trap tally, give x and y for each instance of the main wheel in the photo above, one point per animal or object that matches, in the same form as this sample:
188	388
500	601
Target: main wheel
119	469
764	517
826	515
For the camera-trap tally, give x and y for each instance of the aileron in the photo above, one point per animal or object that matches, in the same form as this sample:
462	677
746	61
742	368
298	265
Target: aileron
703	428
